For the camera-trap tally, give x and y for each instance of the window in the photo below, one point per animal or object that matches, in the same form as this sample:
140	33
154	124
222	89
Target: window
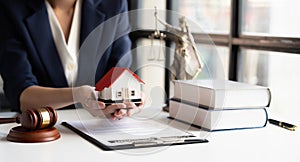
278	71
119	94
209	22
254	41
132	92
211	16
270	18
215	60
261	39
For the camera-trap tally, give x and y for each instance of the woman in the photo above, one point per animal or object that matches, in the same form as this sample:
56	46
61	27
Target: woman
39	60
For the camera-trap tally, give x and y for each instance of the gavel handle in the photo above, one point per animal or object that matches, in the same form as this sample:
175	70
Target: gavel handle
7	120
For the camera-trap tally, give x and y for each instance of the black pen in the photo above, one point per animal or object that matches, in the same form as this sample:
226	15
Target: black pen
285	125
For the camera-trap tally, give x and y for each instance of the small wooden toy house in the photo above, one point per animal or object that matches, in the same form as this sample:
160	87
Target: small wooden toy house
119	85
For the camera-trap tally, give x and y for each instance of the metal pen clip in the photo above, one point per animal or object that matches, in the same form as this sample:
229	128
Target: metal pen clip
288	126
157	141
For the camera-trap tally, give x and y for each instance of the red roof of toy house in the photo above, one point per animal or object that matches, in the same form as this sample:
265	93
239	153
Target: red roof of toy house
112	75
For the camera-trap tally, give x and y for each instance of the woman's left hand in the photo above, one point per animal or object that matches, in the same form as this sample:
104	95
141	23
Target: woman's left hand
130	109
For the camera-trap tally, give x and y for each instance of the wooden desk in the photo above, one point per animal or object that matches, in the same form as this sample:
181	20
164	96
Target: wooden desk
266	144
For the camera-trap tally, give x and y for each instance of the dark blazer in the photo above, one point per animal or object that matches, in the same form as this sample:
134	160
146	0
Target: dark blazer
28	55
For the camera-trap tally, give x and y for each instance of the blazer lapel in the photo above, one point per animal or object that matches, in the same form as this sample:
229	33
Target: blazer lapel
40	31
91	17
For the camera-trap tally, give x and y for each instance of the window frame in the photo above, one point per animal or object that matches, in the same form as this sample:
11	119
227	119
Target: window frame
234	41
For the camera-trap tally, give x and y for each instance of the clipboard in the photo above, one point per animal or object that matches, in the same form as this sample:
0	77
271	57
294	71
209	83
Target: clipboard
171	136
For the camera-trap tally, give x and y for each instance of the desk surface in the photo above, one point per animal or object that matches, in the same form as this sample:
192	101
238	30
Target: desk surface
265	144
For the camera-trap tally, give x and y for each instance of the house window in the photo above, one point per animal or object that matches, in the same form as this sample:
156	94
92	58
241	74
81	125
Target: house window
132	92
119	94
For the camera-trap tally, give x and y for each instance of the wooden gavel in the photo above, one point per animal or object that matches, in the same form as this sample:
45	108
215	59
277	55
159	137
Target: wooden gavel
34	119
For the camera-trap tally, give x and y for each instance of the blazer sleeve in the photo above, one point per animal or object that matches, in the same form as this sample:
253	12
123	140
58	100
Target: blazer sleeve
15	68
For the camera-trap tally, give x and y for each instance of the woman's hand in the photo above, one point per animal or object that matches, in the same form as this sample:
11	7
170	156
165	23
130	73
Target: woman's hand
88	97
125	109
136	109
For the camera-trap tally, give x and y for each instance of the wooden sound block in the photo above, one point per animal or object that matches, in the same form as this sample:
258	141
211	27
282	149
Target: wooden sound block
23	135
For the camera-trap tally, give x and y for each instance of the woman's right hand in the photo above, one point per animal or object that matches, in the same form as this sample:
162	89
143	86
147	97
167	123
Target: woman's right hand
88	97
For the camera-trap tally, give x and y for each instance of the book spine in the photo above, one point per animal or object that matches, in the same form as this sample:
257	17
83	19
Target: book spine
217	120
194	94
189	114
270	97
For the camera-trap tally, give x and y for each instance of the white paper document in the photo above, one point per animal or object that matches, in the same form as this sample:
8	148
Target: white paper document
130	131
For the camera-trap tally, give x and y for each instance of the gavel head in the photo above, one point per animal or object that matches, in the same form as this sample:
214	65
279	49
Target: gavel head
44	117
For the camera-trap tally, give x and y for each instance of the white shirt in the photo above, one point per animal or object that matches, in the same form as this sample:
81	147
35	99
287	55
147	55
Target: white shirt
68	52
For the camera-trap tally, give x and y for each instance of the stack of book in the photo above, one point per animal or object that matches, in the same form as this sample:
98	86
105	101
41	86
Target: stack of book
220	104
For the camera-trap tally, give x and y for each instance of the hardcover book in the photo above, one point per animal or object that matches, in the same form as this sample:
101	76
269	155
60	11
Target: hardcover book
220	94
217	119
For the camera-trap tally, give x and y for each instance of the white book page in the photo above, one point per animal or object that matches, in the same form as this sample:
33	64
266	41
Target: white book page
130	131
